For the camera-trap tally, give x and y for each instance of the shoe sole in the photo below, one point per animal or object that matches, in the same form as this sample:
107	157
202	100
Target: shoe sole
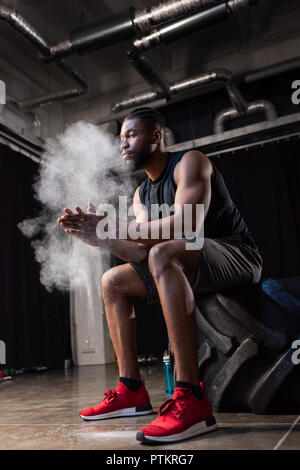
135	411
195	430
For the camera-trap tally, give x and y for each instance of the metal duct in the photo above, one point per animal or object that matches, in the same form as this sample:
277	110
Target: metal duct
102	33
236	97
73	72
253	108
136	101
48	99
236	5
181	28
151	75
166	11
11	17
126	24
169	137
219	75
123	26
228	141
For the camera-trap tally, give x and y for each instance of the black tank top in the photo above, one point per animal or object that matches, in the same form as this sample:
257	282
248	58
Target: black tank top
223	218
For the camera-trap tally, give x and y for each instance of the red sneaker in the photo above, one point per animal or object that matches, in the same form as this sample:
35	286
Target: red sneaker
120	402
179	418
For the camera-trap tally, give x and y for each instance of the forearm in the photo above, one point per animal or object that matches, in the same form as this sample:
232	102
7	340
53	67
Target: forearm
180	225
125	250
150	233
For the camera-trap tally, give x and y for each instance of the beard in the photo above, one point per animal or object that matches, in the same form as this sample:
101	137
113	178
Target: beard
141	158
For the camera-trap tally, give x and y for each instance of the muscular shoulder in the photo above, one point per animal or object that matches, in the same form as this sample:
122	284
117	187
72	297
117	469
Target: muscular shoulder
136	196
139	210
194	165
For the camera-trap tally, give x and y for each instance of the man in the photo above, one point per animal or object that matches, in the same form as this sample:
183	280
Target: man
165	271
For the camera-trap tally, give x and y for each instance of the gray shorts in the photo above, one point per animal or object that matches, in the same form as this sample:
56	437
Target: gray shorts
223	263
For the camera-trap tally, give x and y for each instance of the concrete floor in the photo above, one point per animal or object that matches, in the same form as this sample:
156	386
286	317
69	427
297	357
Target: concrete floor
40	411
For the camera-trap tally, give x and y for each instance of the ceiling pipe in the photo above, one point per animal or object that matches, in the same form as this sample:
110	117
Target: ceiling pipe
180	28
15	20
261	74
48	99
73	73
170	32
176	30
253	108
166	11
118	28
123	26
128	24
12	18
188	25
135	101
220	75
263	131
100	34
151	75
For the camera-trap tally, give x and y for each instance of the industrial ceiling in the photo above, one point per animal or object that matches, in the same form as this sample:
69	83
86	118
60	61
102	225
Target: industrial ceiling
243	42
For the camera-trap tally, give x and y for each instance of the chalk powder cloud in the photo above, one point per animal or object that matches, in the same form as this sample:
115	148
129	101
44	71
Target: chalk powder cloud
76	168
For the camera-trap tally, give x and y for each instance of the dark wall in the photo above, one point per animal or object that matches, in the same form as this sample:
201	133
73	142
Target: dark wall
265	184
194	118
264	181
33	323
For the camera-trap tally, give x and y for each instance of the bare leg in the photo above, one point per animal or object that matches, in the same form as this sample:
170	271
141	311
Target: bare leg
119	284
174	270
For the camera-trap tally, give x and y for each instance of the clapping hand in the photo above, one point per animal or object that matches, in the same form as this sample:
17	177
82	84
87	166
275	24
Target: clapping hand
82	225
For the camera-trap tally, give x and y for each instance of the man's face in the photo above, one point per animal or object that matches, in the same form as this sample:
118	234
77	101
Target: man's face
137	143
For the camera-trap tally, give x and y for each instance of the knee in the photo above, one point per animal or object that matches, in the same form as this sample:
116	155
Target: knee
109	282
159	259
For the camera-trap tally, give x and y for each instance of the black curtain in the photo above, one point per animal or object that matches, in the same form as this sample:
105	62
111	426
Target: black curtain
264	181
33	322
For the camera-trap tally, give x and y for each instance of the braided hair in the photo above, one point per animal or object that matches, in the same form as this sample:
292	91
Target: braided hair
149	115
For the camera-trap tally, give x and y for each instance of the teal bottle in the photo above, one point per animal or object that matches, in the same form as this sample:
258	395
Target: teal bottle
169	379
